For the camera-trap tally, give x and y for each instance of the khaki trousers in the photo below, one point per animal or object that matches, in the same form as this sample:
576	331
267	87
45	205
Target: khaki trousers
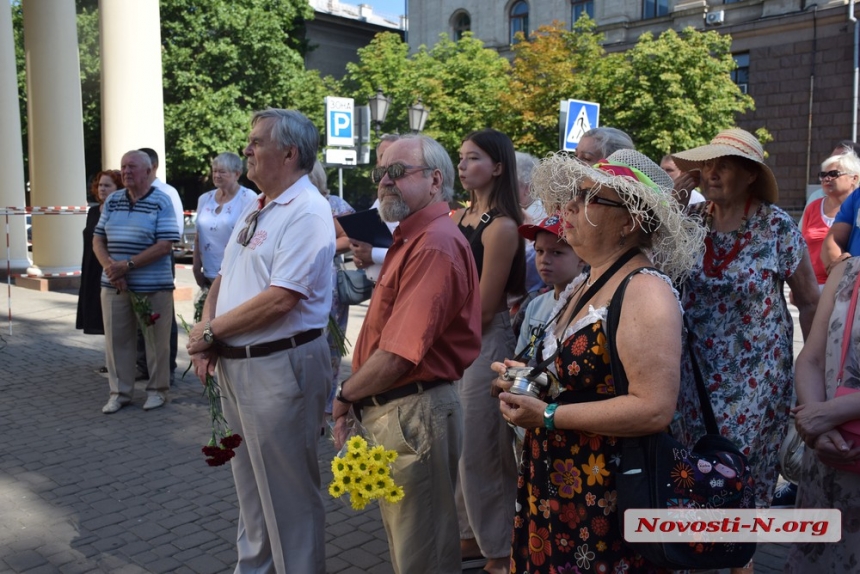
121	343
487	490
425	429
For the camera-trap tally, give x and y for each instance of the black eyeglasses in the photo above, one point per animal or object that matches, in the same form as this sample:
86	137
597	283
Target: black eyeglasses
832	174
395	171
247	232
580	195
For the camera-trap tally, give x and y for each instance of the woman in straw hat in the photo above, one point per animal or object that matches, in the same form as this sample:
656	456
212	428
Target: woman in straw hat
619	221
734	304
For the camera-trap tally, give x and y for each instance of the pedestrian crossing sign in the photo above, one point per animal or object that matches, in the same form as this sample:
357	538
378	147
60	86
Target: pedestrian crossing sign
581	117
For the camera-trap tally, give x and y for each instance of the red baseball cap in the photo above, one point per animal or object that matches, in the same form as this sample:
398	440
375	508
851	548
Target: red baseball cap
551	224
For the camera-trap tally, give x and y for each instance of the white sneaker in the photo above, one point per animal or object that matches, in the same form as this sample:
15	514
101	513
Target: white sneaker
112	406
153	402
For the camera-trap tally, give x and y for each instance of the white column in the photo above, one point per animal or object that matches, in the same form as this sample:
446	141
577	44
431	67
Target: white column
55	132
132	101
11	151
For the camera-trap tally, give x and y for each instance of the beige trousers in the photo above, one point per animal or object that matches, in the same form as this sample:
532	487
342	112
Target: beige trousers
121	343
276	404
425	429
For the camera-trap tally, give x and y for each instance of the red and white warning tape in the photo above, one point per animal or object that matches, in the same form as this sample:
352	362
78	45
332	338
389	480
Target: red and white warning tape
34	210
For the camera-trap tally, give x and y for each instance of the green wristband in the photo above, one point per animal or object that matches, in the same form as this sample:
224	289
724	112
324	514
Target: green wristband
549	416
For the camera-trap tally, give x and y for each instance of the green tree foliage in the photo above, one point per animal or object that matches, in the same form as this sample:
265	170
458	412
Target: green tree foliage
555	64
459	81
675	92
224	59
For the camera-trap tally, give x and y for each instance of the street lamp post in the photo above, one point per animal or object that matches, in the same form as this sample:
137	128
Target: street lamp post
418	116
378	108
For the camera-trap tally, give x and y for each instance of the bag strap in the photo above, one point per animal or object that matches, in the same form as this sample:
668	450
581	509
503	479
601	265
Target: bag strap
580	303
704	399
486	219
619	376
849	323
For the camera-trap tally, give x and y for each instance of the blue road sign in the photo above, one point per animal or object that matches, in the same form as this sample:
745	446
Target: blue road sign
581	117
339	121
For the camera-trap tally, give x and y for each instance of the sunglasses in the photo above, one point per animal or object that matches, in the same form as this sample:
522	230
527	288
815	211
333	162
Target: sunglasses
580	195
832	174
395	171
247	232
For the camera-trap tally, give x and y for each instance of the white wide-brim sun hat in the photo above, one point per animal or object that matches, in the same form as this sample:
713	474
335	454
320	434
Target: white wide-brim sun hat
733	142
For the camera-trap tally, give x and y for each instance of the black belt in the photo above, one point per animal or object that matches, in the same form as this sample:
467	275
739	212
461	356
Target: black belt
263	349
399	393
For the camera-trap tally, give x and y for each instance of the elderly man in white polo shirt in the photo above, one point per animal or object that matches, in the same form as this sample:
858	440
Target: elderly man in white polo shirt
263	324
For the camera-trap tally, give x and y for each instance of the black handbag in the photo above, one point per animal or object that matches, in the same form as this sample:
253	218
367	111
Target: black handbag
658	472
353	286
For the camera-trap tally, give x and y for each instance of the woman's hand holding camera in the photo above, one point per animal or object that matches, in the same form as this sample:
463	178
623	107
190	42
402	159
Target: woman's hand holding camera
501	384
521	410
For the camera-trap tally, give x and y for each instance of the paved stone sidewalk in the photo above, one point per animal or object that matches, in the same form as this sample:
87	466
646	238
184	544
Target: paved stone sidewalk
81	491
84	492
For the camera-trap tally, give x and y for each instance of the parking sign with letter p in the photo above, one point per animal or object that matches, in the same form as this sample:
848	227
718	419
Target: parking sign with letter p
339	121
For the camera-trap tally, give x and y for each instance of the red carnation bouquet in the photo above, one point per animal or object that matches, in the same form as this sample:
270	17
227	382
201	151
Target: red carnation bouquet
223	442
143	311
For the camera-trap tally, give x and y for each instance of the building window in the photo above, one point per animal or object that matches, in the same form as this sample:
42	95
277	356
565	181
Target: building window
519	19
462	23
741	74
580	7
654	8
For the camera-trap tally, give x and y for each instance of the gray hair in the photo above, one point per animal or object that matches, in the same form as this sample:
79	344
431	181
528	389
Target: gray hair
318	178
849	162
525	164
610	140
142	155
292	128
391	138
436	157
229	161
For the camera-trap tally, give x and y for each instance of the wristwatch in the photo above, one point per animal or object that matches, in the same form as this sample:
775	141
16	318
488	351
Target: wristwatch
208	335
339	394
549	416
130	264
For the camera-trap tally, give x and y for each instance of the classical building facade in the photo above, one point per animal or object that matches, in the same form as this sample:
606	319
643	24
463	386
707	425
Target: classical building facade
796	58
338	30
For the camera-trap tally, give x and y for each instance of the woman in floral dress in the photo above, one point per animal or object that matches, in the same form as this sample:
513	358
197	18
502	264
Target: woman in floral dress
618	221
820	411
741	328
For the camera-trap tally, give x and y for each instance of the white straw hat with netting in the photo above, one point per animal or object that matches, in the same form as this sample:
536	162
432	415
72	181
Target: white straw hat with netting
677	241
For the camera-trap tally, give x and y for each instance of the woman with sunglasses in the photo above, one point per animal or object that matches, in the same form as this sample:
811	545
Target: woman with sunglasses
839	176
740	327
488	473
843	239
621	222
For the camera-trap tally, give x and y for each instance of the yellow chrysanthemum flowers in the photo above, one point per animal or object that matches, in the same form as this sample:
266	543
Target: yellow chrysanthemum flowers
364	473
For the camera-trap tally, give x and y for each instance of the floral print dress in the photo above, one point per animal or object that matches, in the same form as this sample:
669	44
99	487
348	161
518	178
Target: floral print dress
566	515
743	335
822	486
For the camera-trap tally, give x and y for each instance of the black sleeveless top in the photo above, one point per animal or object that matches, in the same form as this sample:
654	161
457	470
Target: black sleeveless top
473	236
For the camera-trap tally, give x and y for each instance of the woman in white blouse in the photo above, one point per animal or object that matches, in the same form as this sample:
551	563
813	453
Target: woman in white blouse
217	213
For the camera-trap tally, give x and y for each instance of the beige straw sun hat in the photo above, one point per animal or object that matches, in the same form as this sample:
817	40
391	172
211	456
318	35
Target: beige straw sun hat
733	142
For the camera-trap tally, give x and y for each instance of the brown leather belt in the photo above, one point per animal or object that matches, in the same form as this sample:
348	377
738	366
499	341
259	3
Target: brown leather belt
399	393
263	349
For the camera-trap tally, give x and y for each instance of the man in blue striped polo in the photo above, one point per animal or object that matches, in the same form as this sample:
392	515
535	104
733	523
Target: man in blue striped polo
133	242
